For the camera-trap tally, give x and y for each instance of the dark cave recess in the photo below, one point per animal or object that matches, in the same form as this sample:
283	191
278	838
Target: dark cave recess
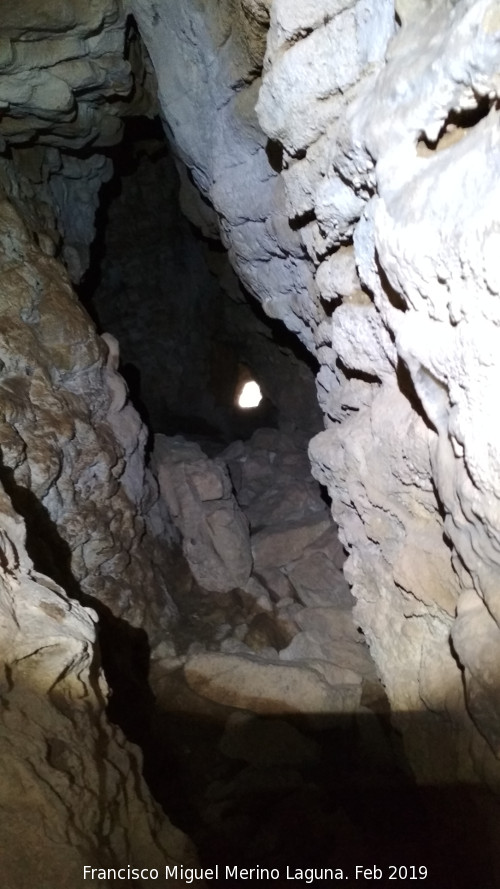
185	325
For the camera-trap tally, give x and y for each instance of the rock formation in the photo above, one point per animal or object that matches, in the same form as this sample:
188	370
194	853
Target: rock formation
345	152
71	791
379	179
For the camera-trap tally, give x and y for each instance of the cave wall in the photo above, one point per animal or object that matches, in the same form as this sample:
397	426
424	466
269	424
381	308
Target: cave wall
367	223
70	75
72	445
349	153
186	329
71	790
82	525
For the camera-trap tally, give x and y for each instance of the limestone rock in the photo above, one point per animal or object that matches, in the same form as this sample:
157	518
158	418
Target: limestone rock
267	688
67	79
387	169
216	133
68	779
317	582
277	545
343	39
197	491
39	84
72	445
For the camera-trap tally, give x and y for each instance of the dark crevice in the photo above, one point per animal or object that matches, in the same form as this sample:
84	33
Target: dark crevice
183	381
282	337
274	151
356	374
461	119
123	650
300	221
147	138
330	305
407	388
442	514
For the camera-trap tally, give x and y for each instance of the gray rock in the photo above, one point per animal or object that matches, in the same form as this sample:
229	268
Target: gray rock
277	545
197	491
53	718
318	582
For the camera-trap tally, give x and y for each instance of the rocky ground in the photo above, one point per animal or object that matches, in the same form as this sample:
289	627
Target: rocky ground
269	739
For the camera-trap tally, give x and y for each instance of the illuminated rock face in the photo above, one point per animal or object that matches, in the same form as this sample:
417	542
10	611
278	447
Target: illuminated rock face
354	181
72	444
198	493
70	73
68	779
369	226
79	511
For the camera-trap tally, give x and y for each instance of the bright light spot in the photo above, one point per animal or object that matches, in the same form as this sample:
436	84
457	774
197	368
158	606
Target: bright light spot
250	395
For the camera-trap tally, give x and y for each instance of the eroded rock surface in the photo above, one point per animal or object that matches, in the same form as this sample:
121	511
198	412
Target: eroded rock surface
351	167
370	228
197	491
72	445
283	639
277	724
71	790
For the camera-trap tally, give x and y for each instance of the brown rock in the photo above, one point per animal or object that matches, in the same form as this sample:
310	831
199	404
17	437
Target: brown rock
264	687
276	546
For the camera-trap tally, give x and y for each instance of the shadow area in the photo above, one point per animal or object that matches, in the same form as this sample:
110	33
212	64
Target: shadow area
122	651
306	797
318	794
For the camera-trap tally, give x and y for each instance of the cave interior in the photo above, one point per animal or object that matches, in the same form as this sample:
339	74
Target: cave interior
235	634
281	789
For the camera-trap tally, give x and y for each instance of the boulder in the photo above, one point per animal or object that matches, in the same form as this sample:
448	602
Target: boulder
267	688
197	492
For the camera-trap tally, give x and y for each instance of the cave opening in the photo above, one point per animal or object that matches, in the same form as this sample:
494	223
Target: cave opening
190	335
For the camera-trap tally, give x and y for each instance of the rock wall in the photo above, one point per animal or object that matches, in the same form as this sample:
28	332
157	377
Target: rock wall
71	790
81	520
365	219
186	329
73	446
68	77
349	154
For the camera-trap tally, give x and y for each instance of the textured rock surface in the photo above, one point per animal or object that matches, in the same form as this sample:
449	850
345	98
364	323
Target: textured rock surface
269	688
187	331
418	246
273	707
197	491
71	791
387	273
215	130
68	76
362	210
72	445
282	640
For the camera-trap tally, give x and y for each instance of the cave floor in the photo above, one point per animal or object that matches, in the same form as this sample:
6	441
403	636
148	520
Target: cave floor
298	790
270	741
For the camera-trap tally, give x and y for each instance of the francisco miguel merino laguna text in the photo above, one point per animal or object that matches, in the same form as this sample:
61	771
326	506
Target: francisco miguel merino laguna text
228	872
